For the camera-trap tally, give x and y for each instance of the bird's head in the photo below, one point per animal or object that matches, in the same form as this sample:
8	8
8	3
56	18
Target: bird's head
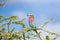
30	15
31	18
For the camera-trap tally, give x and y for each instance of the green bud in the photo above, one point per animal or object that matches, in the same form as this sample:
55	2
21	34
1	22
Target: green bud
47	37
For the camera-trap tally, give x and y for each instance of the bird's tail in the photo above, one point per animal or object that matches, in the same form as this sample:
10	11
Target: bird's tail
38	34
24	36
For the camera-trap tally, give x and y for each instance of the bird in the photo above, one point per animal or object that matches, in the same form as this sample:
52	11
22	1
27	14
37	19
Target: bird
32	23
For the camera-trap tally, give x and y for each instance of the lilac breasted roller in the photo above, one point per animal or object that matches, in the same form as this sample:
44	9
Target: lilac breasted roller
32	23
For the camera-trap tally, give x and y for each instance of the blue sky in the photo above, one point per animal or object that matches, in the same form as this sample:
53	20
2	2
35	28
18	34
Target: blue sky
41	9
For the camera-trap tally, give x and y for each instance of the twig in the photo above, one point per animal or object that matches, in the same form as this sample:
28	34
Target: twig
55	38
24	36
28	29
9	26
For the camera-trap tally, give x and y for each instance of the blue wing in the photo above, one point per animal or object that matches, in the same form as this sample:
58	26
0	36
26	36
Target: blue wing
32	25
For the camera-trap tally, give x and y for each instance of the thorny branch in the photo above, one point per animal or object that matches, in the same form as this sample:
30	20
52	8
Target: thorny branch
28	29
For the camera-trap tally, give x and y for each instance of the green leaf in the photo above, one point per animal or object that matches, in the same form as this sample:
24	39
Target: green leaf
2	26
55	37
24	30
29	33
52	18
0	21
3	29
47	37
52	33
45	23
35	35
12	29
19	22
1	16
13	18
1	4
4	19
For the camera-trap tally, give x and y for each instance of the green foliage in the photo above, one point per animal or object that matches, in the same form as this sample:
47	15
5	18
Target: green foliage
1	16
13	18
47	37
11	35
20	22
46	22
1	4
13	30
24	30
55	37
0	21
